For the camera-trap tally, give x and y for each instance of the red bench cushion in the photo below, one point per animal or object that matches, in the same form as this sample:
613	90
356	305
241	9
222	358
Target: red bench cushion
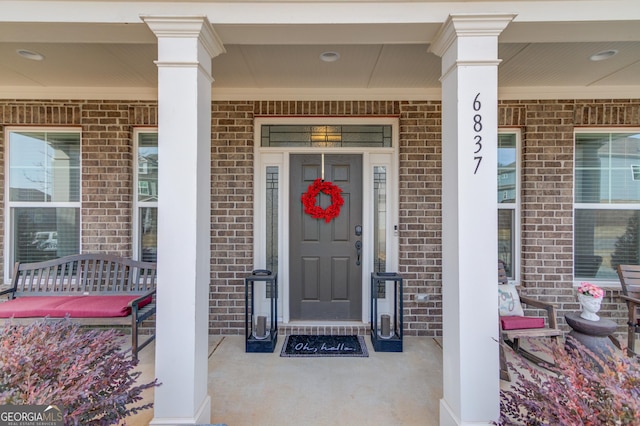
519	323
74	306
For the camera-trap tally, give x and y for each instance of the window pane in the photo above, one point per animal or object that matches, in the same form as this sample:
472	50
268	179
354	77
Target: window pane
148	234
272	219
507	168
326	135
148	167
604	239
44	233
507	200
380	218
506	219
607	168
380	223
44	166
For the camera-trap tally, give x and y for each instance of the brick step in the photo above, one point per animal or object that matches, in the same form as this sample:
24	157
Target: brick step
325	329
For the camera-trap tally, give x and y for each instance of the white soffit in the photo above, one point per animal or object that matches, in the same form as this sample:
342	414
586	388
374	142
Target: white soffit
101	48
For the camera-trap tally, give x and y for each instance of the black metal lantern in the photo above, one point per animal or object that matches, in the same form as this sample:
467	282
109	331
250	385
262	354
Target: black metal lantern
386	327
261	328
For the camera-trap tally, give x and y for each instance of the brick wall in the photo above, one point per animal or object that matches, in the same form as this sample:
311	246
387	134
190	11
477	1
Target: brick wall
419	203
107	160
420	215
547	189
547	193
620	114
231	213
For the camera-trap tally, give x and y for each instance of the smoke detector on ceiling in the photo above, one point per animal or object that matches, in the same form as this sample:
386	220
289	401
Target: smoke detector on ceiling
30	54
601	56
329	56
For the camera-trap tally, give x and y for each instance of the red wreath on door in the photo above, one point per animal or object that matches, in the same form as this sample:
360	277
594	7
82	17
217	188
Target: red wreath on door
309	200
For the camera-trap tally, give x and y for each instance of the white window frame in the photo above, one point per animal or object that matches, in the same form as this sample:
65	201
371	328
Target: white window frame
9	257
137	205
516	206
279	157
613	283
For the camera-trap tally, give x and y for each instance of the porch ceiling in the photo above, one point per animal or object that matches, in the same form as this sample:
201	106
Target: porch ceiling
392	60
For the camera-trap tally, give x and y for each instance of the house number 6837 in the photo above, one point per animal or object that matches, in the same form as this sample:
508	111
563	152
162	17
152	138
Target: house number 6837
477	128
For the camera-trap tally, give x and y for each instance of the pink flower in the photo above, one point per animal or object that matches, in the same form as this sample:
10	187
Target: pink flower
589	289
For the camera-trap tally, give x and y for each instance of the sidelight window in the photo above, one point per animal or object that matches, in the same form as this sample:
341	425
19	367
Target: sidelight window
271	219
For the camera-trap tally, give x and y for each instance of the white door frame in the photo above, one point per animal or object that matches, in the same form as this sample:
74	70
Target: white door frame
279	157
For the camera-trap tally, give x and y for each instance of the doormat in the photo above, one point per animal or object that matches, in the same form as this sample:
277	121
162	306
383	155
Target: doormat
302	345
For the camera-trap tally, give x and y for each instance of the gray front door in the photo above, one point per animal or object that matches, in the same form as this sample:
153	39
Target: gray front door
325	272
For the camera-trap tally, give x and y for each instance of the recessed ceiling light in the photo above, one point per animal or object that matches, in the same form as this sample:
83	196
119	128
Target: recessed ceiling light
329	56
30	54
605	54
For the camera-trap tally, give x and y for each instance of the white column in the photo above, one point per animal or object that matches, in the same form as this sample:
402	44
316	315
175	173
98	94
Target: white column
186	46
468	46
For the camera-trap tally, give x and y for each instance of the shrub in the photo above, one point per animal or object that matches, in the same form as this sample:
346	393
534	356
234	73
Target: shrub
83	372
581	389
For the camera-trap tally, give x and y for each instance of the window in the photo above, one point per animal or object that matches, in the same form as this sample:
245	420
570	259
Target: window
508	202
607	202
43	193
380	218
272	181
326	135
146	199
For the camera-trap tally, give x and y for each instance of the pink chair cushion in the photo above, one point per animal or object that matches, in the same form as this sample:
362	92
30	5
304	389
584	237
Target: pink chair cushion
519	323
74	306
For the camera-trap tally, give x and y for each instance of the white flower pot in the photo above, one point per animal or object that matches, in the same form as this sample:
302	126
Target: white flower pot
590	307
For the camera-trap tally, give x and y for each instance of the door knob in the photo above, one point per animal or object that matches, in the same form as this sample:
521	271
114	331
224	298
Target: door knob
358	252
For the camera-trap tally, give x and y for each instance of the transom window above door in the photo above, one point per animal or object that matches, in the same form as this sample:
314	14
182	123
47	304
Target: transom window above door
352	135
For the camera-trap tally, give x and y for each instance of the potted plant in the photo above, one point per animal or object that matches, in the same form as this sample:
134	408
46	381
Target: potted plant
84	373
590	297
580	389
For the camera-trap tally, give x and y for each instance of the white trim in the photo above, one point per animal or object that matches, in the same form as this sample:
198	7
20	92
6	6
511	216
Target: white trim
201	416
81	93
266	156
324	94
316	12
505	93
385	305
603	130
568	92
8	205
603	206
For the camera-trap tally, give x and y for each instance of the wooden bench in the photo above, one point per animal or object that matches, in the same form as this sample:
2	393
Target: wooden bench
91	289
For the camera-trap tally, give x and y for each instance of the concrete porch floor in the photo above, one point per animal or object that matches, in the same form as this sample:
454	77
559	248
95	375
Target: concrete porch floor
249	389
266	389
